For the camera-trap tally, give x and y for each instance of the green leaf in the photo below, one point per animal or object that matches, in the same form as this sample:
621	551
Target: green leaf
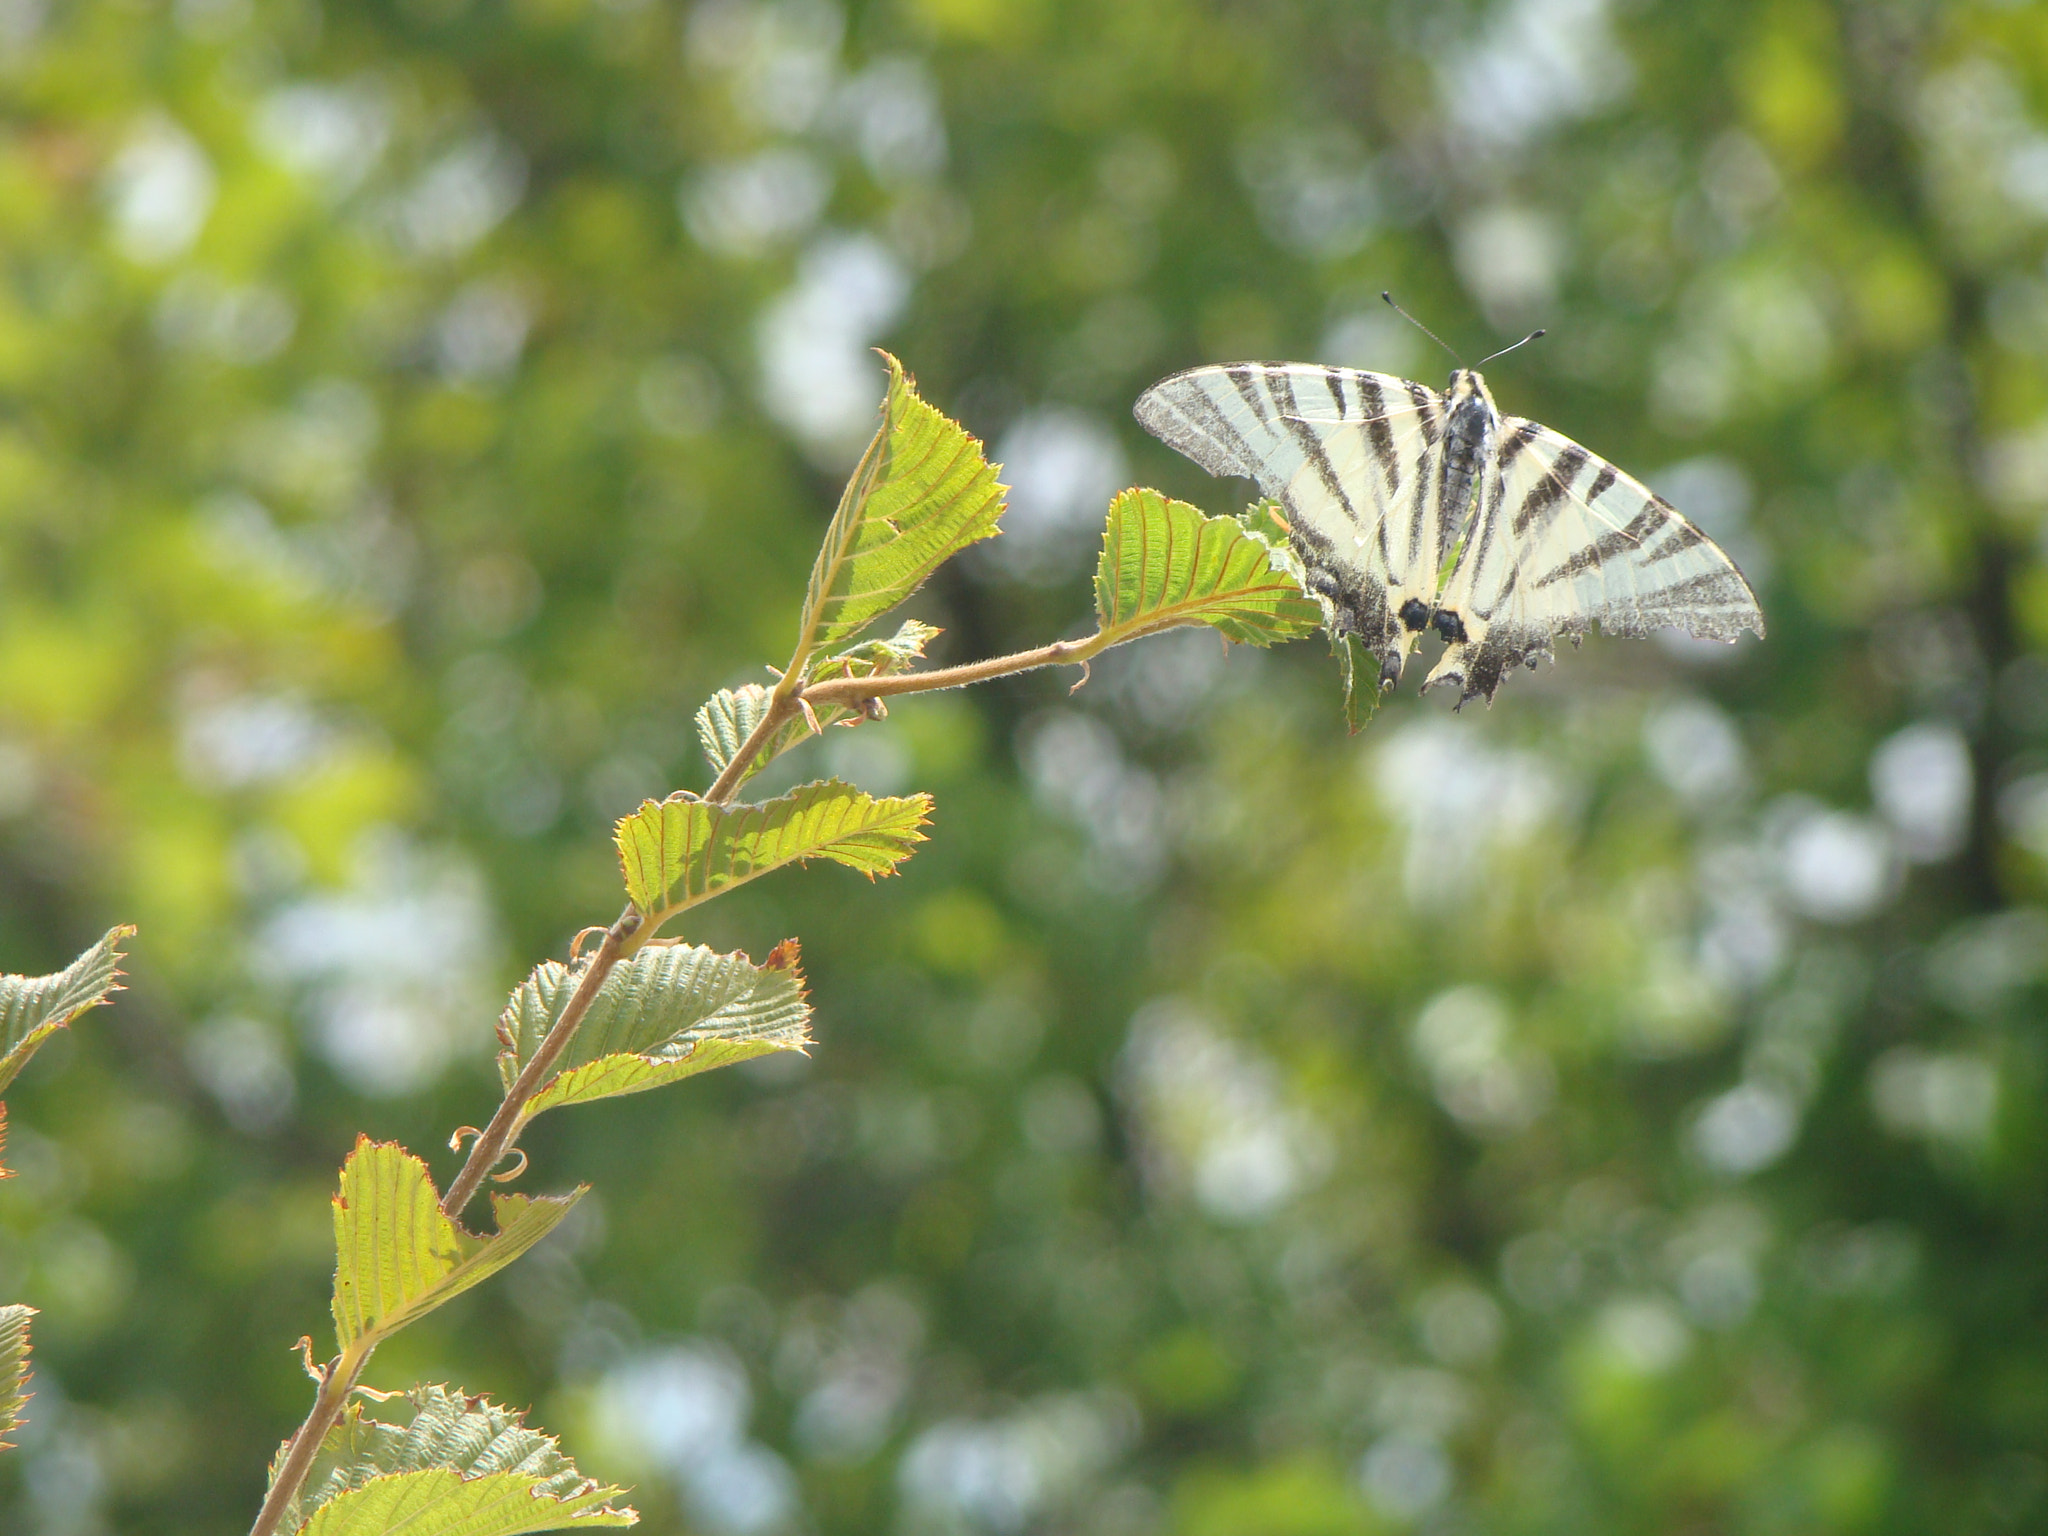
669	1012
1262	520
1164	564
730	716
13	1367
397	1257
923	491
878	658
32	1008
678	852
454	1467
1360	669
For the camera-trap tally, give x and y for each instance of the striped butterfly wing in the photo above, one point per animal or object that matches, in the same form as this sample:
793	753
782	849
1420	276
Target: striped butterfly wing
1562	539
1352	458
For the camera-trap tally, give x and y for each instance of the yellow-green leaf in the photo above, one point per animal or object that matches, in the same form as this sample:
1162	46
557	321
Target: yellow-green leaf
923	491
357	1474
677	852
666	1013
1164	563
439	1503
397	1257
13	1367
32	1008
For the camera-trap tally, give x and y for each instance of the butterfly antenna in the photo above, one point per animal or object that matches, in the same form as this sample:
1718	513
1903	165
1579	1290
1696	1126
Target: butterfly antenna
1432	335
1504	351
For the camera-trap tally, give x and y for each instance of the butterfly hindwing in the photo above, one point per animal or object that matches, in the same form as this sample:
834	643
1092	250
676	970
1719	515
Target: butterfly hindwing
1563	539
1351	457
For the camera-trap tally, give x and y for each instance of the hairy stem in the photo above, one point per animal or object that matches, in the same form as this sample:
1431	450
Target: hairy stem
490	1148
852	690
780	708
336	1383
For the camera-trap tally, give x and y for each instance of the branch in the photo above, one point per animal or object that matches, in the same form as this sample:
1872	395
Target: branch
780	708
1068	653
489	1149
338	1379
853	690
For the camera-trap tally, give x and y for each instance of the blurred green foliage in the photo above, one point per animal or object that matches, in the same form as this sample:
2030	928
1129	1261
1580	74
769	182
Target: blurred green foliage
1617	1111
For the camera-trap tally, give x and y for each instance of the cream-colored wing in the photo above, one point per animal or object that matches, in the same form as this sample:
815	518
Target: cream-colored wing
1564	539
1353	459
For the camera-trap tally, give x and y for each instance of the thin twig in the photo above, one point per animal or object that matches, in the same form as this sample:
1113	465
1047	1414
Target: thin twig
489	1149
780	708
337	1381
851	690
854	691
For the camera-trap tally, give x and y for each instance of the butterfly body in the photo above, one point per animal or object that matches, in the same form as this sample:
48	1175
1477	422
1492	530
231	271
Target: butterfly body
1382	479
1471	433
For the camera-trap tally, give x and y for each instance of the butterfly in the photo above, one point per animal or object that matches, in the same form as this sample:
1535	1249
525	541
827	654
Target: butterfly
1411	510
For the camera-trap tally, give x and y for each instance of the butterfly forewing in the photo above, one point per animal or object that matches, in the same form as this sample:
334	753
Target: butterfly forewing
1351	457
1564	539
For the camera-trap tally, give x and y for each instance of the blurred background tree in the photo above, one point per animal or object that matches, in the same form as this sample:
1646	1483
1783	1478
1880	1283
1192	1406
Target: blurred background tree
1617	1111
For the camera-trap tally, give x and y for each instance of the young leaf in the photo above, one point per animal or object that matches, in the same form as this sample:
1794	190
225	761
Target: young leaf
32	1008
677	852
1262	520
397	1257
5	1171
729	717
13	1367
1360	669
455	1437
669	1012
921	492
873	658
1165	564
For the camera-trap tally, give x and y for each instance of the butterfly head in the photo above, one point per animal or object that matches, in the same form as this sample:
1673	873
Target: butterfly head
1466	384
